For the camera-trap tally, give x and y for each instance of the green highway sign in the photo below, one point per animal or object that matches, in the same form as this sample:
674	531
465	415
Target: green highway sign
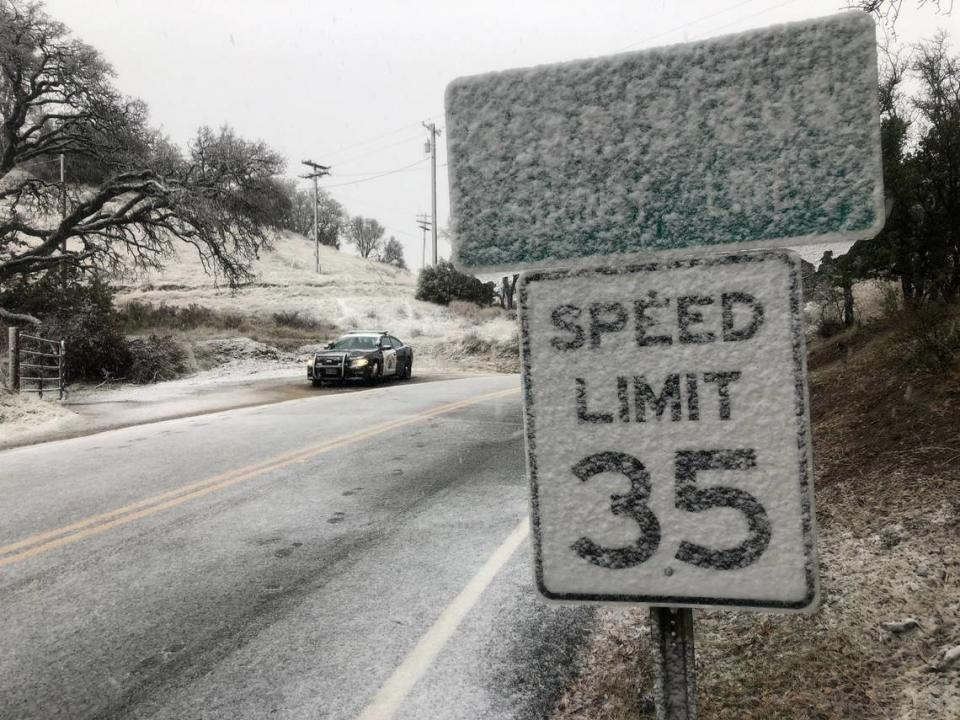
768	138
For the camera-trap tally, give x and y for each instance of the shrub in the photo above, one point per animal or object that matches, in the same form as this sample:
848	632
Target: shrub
80	311
294	319
473	344
193	316
156	359
934	336
474	313
829	326
891	300
442	283
138	316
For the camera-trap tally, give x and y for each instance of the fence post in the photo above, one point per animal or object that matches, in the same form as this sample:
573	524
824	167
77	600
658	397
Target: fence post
61	366
13	358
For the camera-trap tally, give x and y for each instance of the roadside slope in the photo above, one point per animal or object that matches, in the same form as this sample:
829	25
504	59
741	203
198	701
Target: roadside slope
887	480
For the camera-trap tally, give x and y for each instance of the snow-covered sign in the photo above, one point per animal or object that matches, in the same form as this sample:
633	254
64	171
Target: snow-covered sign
769	138
668	440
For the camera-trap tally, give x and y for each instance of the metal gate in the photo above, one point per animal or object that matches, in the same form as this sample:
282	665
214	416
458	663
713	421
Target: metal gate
42	365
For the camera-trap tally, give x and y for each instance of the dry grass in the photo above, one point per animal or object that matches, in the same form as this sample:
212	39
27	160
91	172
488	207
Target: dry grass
476	352
285	329
476	314
886	451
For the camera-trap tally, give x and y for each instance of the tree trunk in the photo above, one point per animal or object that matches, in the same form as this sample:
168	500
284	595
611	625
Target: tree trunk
848	318
508	285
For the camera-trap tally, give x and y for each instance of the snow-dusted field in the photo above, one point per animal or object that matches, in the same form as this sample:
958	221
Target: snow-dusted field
350	292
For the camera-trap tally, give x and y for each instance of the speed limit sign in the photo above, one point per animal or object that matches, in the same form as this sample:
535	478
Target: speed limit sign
667	429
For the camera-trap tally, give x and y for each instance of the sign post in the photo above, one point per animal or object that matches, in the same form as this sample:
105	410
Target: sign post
665	395
671	632
668	443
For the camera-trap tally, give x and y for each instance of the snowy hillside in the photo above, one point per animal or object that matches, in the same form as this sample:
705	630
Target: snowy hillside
349	293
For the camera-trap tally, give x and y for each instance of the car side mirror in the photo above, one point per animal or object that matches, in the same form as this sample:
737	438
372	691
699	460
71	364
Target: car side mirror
328	346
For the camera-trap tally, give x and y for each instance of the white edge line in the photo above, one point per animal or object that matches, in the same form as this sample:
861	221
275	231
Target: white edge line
398	686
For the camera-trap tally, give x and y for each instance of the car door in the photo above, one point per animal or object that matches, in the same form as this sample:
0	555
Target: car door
403	352
389	356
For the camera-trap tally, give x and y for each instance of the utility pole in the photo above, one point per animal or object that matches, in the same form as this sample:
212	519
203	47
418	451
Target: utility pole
318	172
63	192
432	143
423	222
63	215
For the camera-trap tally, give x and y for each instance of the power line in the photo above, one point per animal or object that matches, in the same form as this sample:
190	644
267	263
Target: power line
756	14
375	177
374	139
375	150
384	134
684	25
367	174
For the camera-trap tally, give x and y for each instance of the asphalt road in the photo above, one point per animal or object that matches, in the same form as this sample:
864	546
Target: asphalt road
359	555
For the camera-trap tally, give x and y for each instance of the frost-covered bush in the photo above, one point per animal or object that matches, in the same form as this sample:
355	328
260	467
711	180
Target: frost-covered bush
81	312
442	283
156	359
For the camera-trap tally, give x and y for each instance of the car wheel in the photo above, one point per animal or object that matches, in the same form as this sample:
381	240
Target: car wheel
317	382
373	374
408	373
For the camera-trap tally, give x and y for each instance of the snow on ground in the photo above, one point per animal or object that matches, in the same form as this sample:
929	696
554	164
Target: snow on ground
25	417
350	292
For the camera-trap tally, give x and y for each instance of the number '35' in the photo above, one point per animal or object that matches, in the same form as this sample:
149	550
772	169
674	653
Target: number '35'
687	497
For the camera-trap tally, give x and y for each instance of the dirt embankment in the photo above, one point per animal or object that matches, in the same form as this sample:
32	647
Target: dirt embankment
887	462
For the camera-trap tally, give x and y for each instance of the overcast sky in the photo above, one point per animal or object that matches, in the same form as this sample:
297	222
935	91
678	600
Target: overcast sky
349	84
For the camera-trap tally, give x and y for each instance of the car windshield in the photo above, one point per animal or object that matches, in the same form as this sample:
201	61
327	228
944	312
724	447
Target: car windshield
356	342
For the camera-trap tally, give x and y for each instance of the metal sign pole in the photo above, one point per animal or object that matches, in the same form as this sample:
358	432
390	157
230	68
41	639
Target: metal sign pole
671	634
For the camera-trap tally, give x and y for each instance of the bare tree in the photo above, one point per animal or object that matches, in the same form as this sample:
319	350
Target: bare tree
56	96
331	216
366	234
392	254
888	11
299	217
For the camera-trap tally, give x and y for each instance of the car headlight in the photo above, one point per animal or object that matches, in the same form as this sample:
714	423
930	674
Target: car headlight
311	362
359	363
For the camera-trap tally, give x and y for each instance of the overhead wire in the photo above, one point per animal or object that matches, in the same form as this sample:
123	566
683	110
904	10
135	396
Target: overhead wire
684	25
380	175
332	154
753	15
388	133
374	151
385	134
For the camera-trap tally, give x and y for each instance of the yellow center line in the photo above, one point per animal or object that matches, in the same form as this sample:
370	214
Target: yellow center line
42	542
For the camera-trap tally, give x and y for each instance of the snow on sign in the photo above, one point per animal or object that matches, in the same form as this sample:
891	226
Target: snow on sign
769	138
668	434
